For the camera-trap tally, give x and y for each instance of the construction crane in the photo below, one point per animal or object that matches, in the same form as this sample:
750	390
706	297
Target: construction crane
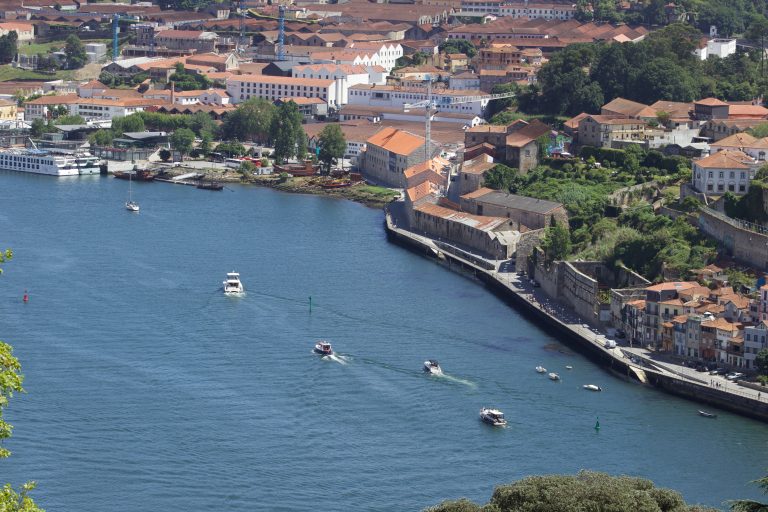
431	107
241	26
116	29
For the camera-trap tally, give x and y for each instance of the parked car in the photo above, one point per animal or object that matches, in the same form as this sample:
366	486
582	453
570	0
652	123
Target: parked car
620	333
734	376
718	371
702	368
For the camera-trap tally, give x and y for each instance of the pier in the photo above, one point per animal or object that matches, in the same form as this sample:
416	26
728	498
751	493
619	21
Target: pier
631	363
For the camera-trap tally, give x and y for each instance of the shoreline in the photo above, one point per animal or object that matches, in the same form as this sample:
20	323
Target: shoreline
620	361
363	193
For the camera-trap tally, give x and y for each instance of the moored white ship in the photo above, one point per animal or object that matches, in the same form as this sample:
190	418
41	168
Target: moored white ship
49	162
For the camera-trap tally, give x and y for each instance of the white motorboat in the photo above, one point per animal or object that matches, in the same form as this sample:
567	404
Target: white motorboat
233	286
554	376
569	367
323	348
592	387
432	367
541	369
492	417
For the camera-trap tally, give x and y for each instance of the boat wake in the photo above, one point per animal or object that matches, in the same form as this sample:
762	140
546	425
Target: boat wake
457	380
336	358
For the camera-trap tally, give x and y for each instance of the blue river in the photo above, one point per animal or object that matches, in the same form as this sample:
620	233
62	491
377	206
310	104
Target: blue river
148	389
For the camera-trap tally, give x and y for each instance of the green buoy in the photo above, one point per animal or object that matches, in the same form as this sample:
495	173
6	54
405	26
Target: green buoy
310	304
597	424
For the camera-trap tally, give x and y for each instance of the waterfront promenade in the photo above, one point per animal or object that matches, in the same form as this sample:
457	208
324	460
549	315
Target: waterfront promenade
646	366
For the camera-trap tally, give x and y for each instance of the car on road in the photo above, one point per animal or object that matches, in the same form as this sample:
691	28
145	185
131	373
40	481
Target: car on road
718	371
701	368
734	376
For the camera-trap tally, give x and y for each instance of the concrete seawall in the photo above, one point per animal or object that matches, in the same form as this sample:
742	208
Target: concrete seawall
613	360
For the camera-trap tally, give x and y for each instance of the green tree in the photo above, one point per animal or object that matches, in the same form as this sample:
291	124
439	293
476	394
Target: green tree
231	149
8	47
206	140
761	361
503	104
332	146
458	46
102	137
181	140
758	31
751	505
75	52
556	242
287	133
500	177
251	120
37	128
164	155
131	123
183	80
69	119
586	491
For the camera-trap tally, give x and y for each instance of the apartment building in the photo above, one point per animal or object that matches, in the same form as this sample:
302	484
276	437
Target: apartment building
398	97
244	87
724	171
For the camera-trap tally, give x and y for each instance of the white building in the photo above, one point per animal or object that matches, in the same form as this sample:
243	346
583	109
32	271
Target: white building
724	171
243	87
754	342
542	10
466	81
718	47
344	75
397	97
88	108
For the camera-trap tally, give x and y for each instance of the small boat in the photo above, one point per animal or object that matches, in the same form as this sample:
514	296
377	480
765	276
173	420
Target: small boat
541	369
492	417
592	387
135	175
554	376
323	348
707	414
336	184
569	367
211	185
233	286
130	204
432	367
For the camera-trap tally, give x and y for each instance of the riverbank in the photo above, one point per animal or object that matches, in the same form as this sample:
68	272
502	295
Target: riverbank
368	195
623	362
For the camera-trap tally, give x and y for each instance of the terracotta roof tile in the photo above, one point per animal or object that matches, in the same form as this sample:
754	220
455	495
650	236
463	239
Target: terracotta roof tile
396	141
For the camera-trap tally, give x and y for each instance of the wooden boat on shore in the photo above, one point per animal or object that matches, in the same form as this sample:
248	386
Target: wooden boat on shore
707	414
138	175
210	185
336	184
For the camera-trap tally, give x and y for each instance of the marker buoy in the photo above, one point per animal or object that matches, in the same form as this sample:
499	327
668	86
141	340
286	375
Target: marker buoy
597	424
26	296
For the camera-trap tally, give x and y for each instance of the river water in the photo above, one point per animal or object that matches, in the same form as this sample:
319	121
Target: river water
147	389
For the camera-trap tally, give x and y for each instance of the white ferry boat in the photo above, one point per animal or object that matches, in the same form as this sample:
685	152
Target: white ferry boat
50	162
232	286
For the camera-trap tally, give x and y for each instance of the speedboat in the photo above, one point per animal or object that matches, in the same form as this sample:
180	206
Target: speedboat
432	367
592	387
569	367
323	348
233	286
541	369
554	376
707	414
492	417
131	206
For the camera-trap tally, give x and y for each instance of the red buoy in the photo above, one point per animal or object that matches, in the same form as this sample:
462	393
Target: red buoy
26	296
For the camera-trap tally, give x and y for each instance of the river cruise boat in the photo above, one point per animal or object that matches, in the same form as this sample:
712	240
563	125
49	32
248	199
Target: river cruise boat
432	367
233	286
49	162
492	417
323	348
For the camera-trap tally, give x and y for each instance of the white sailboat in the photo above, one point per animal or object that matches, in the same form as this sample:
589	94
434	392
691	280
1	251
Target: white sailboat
130	205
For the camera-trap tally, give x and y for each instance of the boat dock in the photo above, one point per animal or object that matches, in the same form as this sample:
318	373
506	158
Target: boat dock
631	363
191	179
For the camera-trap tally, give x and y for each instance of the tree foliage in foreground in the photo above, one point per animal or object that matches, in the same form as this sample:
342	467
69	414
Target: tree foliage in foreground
751	505
10	383
332	146
586	491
